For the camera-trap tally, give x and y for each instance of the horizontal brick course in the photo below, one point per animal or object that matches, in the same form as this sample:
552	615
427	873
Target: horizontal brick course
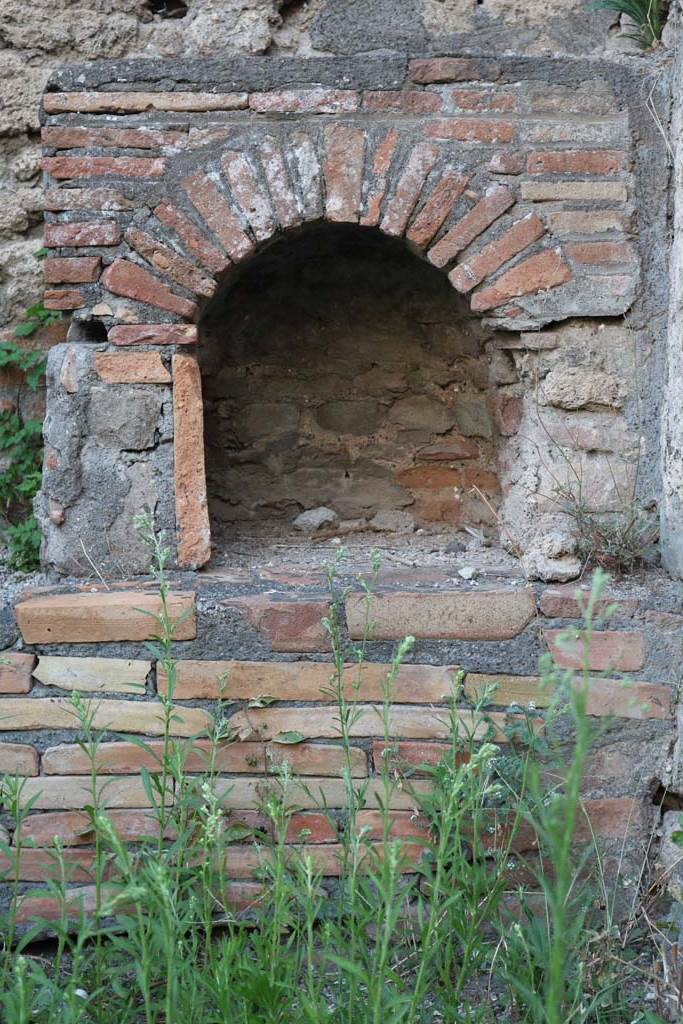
456	615
305	101
304	680
62	137
139	102
470	129
542	191
82	233
134	282
101	617
323	723
69	167
22	713
480	100
72	269
577	161
109	199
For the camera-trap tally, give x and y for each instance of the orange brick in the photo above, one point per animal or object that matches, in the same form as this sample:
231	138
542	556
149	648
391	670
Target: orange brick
74	828
213	206
426	70
286	625
68	167
577	161
562	602
477	100
140	102
191	506
191	237
82	233
437	208
74	792
418	165
63	137
18	759
101	617
167	262
343	169
134	282
284	200
146	717
310	827
544	270
489	259
496	201
404	101
41	865
413	755
16	672
131	368
63	298
601	252
377	177
153	334
616	651
403	825
72	269
470	129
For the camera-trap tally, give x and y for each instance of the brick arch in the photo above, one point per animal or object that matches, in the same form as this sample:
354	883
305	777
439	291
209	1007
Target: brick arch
222	211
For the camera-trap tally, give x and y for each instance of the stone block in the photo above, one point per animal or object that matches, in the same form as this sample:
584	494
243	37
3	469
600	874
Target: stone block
125	422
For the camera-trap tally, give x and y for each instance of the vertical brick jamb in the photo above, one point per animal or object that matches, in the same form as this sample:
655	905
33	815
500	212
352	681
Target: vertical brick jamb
191	506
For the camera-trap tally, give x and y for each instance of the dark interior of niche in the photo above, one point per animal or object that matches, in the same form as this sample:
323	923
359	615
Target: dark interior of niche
167	8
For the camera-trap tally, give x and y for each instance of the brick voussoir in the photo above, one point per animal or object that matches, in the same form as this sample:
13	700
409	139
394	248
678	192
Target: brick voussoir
194	240
212	205
492	205
489	259
343	170
166	261
132	281
544	270
420	162
249	195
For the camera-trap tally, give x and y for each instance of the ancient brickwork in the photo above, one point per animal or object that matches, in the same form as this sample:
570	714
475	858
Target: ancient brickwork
91	640
519	190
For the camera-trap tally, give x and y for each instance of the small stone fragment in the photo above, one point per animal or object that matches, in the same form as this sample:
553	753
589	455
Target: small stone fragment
315	518
393	521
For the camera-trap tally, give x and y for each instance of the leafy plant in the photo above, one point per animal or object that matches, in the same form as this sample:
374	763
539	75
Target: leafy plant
21	446
647	15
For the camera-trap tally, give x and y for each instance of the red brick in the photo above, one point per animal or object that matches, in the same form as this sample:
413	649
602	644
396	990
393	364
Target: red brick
63	298
437	208
191	237
74	828
470	129
76	902
577	161
140	102
477	100
281	191
169	263
82	233
286	625
507	162
57	199
561	602
446	615
41	865
343	169
100	616
601	252
191	507
134	282
450	449
545	270
615	651
403	824
377	177
72	269
152	334
610	818
69	167
412	755
247	192
213	207
451	69
74	792
18	759
404	101
304	101
243	862
15	672
60	137
508	411
496	201
317	759
310	827
401	205
489	259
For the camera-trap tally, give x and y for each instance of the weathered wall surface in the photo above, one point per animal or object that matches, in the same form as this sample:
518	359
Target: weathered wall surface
37	38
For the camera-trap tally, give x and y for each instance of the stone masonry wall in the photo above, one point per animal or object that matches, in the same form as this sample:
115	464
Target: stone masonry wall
521	191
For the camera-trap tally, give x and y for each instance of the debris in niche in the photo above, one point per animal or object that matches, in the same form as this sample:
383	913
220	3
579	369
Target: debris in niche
92	331
167	8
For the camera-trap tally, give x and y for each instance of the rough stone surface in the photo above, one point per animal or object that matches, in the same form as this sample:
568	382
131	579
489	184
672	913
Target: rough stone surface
314	518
